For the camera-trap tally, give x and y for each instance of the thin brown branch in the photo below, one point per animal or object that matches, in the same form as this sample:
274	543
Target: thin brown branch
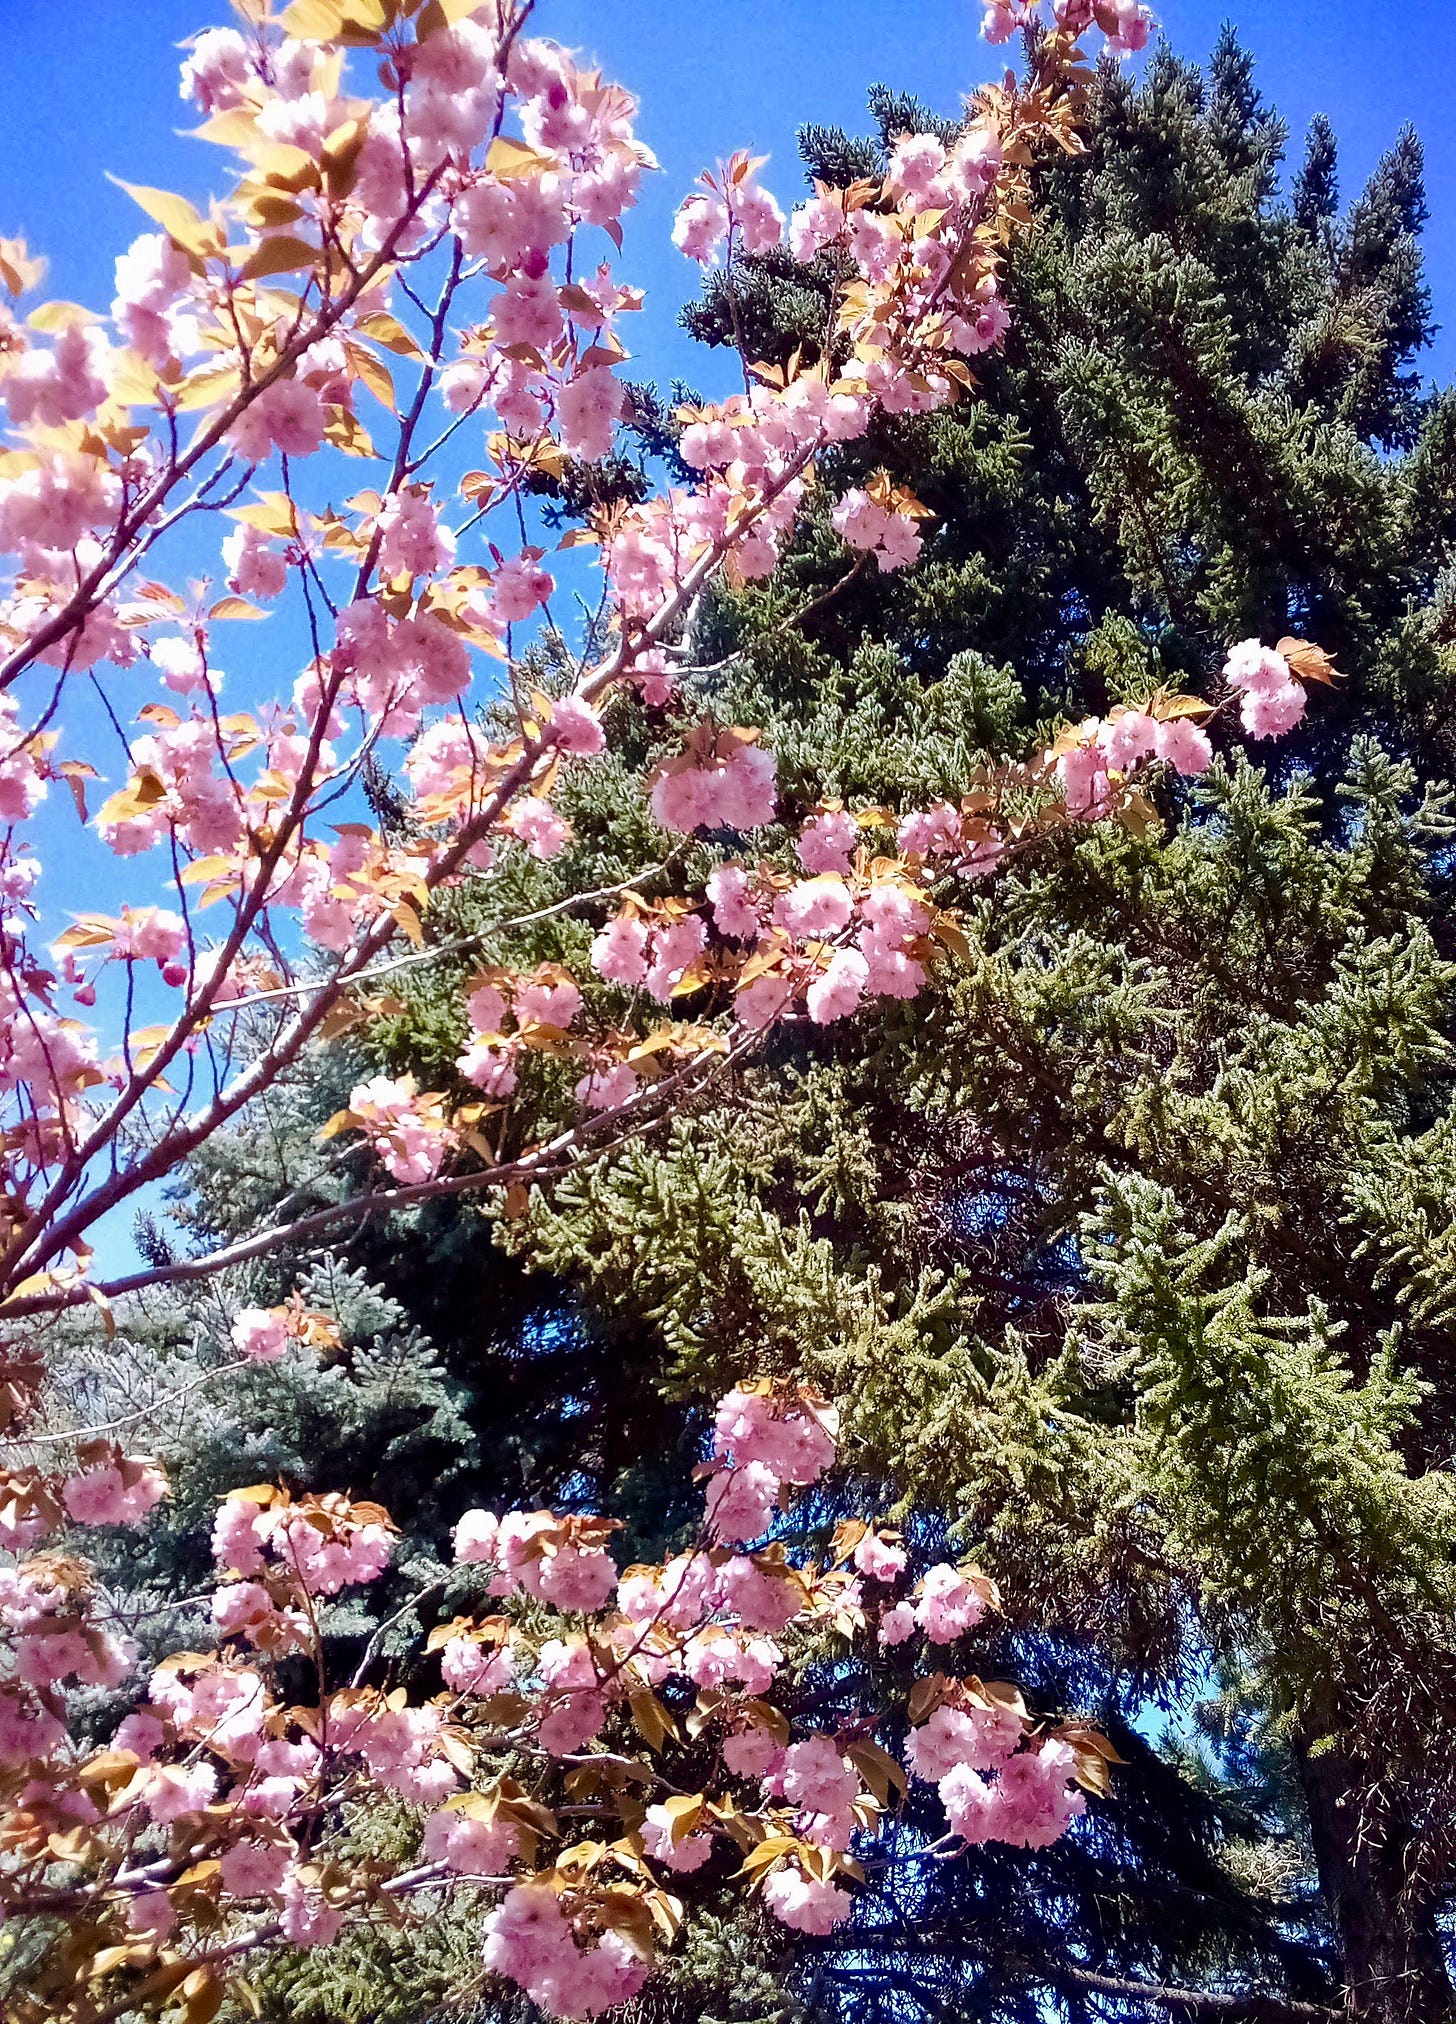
580	1144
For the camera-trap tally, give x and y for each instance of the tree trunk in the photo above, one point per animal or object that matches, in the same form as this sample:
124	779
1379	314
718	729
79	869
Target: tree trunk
1394	1964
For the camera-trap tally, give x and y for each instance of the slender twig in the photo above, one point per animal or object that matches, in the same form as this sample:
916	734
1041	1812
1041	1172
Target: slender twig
375	1643
145	1412
464	945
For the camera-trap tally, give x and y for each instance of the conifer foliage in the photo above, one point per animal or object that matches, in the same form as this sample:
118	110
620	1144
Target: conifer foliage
1126	1252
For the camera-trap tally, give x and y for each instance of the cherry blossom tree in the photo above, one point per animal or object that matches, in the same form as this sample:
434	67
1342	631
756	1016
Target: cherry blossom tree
418	251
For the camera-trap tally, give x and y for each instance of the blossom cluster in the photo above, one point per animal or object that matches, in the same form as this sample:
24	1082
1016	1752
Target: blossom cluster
209	1811
969	1748
865	917
1271	698
106	1487
486	140
1126	24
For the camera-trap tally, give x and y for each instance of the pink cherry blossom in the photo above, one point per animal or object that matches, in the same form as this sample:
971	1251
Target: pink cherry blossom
701	227
1270	713
238	1534
430	661
152	279
930	831
751	1753
46	389
412	541
836	992
529	1942
619	952
949	1605
892	538
608	1087
356	1553
915	164
576	728
469	1847
539	827
571	1579
153	1913
1255	668
741	1502
253	568
140	1732
1134	25
255	1868
1083	776
1272	702
982	1738
1184	746
757	216
790	1441
470	1668
285	416
1030	1804
587	408
246	1610
816	906
1128	740
984	329
307	1919
476	1537
218	71
103	1496
261	1334
1005	18
827	842
549	999
490	1065
817	1778
410	1142
815	225
733	793
685	1854
528	312
172	1791
734	912
759	1599
803	1902
977	159
656	682
880	1559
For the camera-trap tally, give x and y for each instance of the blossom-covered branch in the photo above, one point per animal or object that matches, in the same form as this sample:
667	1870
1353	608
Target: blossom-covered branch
442	231
215	1819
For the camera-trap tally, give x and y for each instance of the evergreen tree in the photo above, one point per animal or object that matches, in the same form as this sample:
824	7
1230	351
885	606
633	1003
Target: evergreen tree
1125	1253
1130	1255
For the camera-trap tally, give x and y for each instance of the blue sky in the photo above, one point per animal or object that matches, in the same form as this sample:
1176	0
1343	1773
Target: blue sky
90	85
